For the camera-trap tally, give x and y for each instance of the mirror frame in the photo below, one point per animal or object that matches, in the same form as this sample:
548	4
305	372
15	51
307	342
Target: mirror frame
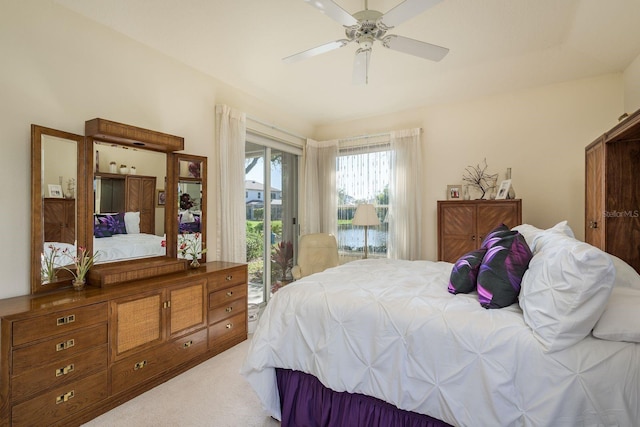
37	204
177	158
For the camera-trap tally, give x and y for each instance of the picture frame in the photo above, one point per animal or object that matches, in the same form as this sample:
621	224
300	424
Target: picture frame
161	198
55	191
454	192
503	190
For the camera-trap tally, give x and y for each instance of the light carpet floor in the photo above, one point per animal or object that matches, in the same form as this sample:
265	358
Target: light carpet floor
212	394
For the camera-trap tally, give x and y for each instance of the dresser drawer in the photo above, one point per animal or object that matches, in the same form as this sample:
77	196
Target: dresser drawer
228	309
60	402
28	330
145	365
226	295
64	371
233	276
229	328
59	348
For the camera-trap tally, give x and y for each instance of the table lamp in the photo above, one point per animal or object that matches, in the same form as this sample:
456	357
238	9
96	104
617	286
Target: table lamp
366	215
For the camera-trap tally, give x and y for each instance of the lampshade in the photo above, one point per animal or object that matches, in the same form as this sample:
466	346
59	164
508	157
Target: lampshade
365	215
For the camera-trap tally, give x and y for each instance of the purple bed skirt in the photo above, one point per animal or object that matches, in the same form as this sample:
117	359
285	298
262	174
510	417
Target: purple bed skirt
306	402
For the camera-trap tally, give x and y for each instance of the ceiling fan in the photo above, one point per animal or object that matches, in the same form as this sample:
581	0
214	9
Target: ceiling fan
367	26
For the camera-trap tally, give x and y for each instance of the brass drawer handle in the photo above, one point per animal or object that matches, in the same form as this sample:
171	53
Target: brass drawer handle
139	365
229	325
229	278
187	344
64	397
230	293
65	345
65	370
65	320
228	309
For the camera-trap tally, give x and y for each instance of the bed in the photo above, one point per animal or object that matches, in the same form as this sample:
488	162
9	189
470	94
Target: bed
566	353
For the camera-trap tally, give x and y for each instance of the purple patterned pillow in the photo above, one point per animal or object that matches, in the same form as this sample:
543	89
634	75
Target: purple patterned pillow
502	269
114	223
101	230
465	272
495	235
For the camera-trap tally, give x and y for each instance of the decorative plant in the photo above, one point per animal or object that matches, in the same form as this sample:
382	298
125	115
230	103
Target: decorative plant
82	261
478	178
190	247
48	265
282	256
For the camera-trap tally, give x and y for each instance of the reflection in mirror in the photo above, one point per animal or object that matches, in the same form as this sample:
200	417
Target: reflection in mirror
191	203
57	205
127	204
59	181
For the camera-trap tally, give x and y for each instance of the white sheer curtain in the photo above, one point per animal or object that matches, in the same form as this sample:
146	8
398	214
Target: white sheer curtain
318	198
405	196
228	171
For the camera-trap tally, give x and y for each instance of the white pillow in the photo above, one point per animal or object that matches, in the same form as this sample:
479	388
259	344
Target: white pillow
132	222
565	289
626	276
621	318
531	233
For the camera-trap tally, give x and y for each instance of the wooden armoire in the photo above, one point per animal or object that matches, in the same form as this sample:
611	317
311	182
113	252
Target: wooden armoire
463	224
612	191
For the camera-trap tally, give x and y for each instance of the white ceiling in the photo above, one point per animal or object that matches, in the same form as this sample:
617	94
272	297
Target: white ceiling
496	46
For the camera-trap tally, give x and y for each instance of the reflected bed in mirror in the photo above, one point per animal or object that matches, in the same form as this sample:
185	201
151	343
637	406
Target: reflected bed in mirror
128	223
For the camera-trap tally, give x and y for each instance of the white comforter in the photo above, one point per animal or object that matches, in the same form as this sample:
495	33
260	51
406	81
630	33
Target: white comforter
128	246
390	329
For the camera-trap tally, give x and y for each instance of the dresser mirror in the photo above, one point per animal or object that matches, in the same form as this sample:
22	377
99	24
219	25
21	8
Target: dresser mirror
72	175
128	202
57	205
192	214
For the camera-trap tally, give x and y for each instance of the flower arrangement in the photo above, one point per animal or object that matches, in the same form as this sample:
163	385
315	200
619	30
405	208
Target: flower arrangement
480	179
82	262
48	264
190	247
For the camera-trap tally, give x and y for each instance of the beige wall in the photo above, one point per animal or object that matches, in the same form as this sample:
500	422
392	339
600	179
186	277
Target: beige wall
540	133
58	70
632	86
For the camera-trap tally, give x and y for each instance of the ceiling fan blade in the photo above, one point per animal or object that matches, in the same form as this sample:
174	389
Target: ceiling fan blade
327	47
406	10
415	47
361	67
333	11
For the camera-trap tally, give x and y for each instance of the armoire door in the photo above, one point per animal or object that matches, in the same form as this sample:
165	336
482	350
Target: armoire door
594	196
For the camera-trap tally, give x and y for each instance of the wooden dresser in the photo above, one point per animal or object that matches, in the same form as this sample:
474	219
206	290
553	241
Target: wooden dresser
59	220
612	199
68	356
463	224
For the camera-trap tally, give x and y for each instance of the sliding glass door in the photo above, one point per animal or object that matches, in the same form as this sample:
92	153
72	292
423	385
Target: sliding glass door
271	213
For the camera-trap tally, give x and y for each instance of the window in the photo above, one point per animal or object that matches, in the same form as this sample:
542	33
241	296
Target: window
363	176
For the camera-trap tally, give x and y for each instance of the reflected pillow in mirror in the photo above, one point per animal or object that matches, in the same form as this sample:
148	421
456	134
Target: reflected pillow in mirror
132	222
112	222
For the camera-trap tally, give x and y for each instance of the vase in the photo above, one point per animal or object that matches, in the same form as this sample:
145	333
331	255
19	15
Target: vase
194	263
79	284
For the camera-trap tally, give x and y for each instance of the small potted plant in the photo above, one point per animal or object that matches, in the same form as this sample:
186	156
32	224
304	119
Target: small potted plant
190	247
112	167
48	272
82	262
282	257
123	169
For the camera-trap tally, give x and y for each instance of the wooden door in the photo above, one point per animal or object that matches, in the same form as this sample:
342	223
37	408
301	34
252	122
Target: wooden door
456	229
594	195
493	213
187	308
141	198
136	323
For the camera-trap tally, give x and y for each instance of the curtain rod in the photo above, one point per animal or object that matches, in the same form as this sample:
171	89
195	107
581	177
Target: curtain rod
374	135
274	127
